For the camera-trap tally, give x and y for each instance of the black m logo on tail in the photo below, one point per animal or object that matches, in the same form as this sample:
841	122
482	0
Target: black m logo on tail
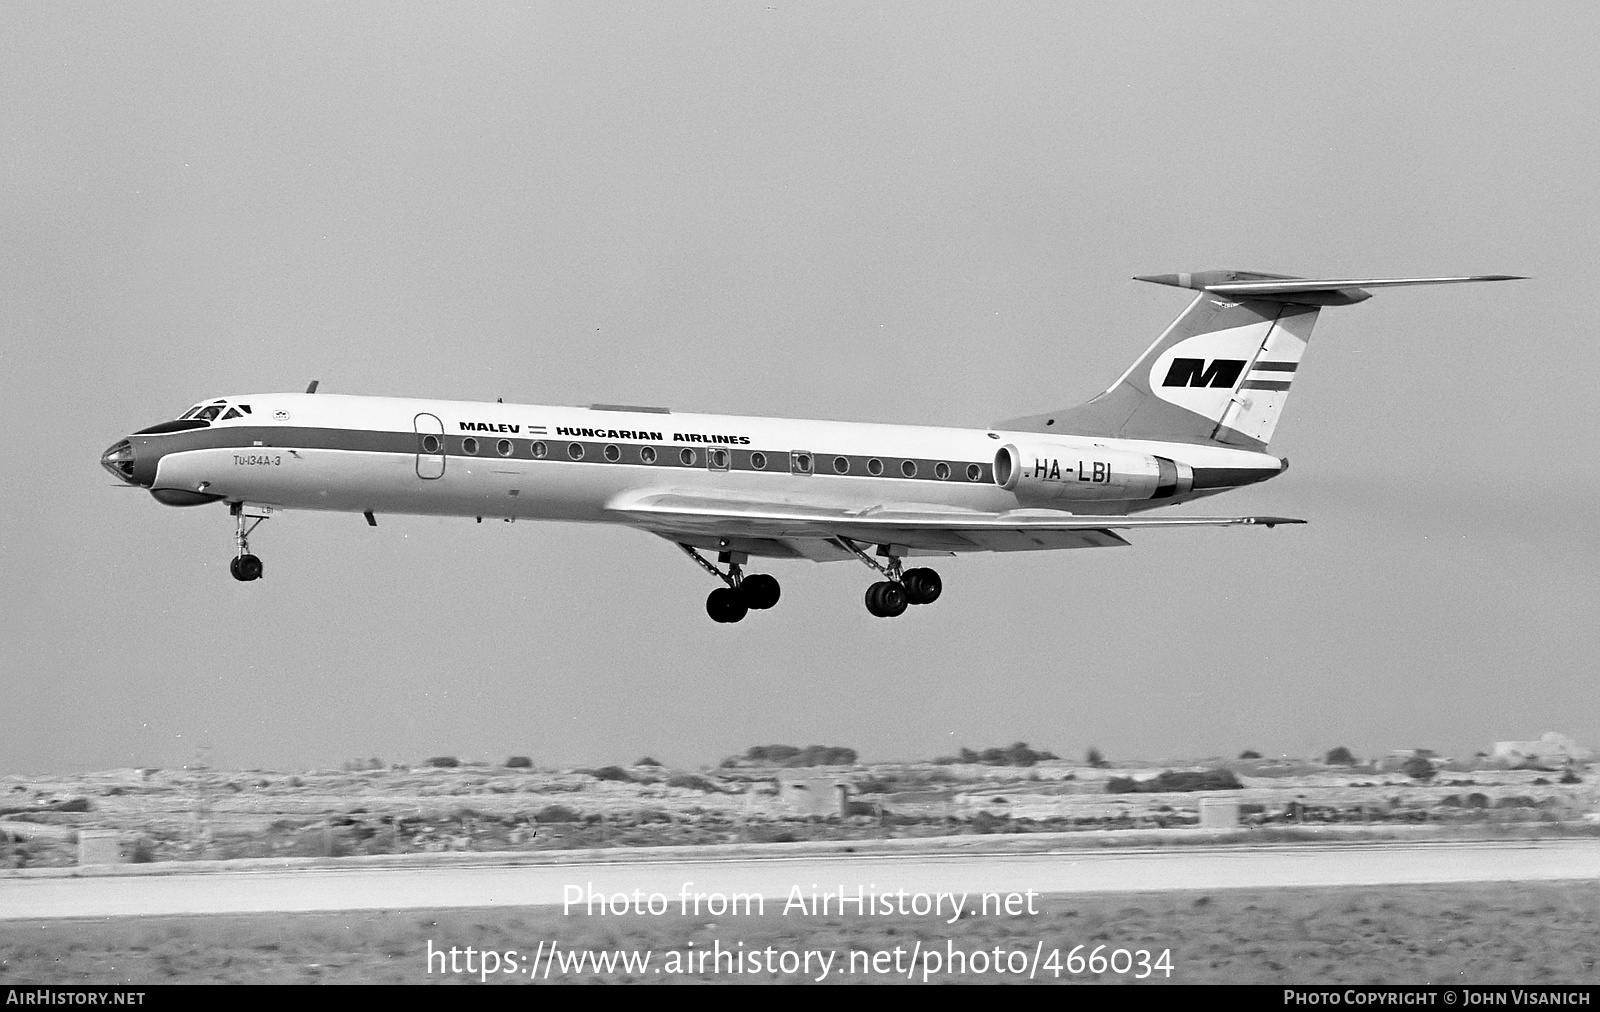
1192	372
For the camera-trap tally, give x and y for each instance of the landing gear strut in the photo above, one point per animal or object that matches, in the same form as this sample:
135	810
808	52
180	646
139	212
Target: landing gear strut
889	598
244	567
743	594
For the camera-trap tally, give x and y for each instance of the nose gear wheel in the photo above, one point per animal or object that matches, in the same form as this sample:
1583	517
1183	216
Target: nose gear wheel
244	567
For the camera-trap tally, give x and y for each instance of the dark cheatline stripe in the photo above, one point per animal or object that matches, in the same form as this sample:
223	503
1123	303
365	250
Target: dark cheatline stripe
668	455
1276	366
1265	385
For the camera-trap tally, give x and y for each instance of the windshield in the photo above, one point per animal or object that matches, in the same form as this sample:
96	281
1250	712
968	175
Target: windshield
208	411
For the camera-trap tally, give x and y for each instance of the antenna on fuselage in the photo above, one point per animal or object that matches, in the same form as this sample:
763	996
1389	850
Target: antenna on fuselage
313	387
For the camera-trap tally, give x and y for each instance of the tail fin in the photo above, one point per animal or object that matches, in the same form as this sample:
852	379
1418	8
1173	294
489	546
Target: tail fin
1222	371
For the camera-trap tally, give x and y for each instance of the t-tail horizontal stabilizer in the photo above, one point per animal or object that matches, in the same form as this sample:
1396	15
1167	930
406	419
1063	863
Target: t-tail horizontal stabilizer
1221	373
1305	291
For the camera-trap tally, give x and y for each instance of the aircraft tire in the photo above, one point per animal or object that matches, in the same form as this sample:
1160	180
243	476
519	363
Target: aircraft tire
760	592
245	568
725	605
886	600
923	586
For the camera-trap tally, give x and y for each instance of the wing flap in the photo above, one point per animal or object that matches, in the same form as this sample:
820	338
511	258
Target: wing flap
1036	540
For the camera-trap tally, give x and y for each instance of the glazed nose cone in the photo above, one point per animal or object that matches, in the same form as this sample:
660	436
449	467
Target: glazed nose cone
119	460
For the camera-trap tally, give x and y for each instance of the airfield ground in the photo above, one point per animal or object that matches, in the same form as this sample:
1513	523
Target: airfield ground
1479	932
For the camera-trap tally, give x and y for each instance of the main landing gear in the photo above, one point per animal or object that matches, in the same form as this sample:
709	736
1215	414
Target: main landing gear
889	598
742	594
244	567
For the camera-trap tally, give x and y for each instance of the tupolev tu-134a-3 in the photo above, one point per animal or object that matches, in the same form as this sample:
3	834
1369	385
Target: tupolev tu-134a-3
1190	418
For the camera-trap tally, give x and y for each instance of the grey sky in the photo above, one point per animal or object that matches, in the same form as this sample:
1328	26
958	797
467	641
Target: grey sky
920	213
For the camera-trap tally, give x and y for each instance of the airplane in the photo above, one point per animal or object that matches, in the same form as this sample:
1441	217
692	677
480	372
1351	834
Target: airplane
1192	417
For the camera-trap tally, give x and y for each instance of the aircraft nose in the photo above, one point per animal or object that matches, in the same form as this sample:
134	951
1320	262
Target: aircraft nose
119	459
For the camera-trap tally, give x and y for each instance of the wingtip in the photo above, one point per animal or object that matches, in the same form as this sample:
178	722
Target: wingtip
1275	521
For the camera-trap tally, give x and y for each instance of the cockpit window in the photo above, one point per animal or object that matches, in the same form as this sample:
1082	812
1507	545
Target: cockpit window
245	408
207	411
233	413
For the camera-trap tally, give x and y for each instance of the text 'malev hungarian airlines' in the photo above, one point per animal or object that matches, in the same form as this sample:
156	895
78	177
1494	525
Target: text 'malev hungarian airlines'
1191	418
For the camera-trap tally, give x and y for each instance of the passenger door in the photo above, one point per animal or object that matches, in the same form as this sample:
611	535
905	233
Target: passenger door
430	447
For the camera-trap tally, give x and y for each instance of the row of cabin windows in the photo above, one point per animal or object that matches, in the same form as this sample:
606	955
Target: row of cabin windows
908	468
798	462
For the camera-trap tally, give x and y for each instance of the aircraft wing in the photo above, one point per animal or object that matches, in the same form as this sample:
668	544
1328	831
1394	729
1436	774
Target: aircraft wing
813	530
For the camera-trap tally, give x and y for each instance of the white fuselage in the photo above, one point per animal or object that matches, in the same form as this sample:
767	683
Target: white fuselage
514	461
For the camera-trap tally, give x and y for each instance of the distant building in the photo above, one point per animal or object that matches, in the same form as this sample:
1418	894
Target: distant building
1552	749
805	793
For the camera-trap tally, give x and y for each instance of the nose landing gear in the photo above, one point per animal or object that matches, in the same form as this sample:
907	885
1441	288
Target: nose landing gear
244	567
742	594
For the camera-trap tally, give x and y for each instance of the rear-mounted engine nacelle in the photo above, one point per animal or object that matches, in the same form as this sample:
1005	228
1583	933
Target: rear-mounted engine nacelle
1043	472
